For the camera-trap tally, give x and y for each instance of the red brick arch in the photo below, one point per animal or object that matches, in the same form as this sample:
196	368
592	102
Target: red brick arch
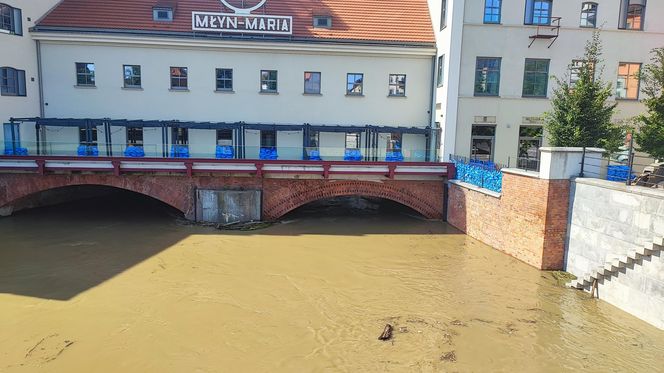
279	197
176	193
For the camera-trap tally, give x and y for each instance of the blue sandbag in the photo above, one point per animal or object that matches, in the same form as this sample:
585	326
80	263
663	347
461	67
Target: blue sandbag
314	155
179	151
394	156
16	151
268	153
87	150
224	152
134	152
352	155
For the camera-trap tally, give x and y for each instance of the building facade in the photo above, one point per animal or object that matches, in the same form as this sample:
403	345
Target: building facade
265	78
496	60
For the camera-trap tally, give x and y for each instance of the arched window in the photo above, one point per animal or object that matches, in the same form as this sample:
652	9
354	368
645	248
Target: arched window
632	14
589	15
538	12
12	82
10	20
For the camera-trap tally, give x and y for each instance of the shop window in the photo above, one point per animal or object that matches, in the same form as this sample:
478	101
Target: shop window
397	85
632	14
225	137
83	138
132	76
482	142
180	136
314	139
12	82
135	136
589	15
535	78
627	86
487	76
492	11
268	139
312	83
440	76
269	81
85	74
353	140
355	84
530	140
11	20
224	79
538	12
179	77
12	131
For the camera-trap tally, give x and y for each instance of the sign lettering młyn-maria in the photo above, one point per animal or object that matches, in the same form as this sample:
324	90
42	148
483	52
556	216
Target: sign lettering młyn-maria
242	21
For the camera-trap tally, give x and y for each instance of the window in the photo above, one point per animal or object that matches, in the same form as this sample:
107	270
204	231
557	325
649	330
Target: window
397	85
492	11
482	140
394	142
180	136
323	21
11	20
268	139
443	14
225	137
575	70
135	136
86	137
132	76
179	78
632	14
85	74
487	76
530	140
162	14
535	78
269	81
224	79
627	86
12	82
538	12
311	83
352	140
355	84
589	15
440	79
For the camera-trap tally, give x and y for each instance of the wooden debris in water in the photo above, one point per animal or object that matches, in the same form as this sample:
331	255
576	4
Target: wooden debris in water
245	226
449	356
387	333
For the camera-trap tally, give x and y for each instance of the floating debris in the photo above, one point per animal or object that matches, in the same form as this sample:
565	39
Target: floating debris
458	323
449	356
387	333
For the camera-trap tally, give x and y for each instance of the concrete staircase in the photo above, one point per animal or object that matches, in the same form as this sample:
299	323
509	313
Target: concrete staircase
620	264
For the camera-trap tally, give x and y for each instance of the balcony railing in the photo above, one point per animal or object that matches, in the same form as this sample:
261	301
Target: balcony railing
547	32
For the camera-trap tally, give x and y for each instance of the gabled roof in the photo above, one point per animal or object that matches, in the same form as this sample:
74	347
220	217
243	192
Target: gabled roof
394	21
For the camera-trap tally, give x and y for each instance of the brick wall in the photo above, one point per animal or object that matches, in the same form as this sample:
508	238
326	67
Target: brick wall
528	221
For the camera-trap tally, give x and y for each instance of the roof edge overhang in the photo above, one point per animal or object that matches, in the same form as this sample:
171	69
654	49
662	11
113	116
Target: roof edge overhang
188	40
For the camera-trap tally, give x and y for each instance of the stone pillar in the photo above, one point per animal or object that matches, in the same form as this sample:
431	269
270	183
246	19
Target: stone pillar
529	218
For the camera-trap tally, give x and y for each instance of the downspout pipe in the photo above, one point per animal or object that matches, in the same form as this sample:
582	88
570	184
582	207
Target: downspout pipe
432	138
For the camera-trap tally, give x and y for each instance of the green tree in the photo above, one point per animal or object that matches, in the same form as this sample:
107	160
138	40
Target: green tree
650	135
581	114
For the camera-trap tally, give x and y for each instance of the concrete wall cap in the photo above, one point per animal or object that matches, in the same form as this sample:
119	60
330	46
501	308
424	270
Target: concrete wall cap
520	172
552	149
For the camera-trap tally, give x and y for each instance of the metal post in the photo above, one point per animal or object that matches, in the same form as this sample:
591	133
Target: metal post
37	130
630	159
583	161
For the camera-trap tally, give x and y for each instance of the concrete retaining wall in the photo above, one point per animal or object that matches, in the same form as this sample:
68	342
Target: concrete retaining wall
607	219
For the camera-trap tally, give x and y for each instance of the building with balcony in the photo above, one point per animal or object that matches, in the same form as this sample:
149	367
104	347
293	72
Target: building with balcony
496	59
284	79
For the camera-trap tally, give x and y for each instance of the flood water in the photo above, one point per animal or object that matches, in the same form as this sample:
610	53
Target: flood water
119	285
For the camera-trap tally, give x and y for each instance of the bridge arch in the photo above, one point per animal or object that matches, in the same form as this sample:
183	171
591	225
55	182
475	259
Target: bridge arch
278	201
18	187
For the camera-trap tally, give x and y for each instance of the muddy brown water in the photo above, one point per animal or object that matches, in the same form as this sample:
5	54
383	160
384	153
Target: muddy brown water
98	287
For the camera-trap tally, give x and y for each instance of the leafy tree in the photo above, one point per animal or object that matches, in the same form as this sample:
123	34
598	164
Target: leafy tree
650	136
581	114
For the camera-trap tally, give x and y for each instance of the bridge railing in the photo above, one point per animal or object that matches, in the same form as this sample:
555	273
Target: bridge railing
208	149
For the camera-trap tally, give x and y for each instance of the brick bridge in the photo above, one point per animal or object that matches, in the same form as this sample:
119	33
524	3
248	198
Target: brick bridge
284	185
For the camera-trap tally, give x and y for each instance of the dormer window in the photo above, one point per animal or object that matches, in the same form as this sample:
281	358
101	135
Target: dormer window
322	22
162	14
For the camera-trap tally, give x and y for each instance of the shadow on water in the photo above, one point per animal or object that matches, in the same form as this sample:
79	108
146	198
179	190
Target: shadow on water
59	251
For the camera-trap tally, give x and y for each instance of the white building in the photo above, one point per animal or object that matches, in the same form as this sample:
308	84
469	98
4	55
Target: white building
494	80
291	74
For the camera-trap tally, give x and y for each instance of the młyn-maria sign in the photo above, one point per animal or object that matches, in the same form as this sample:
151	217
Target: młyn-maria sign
242	21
